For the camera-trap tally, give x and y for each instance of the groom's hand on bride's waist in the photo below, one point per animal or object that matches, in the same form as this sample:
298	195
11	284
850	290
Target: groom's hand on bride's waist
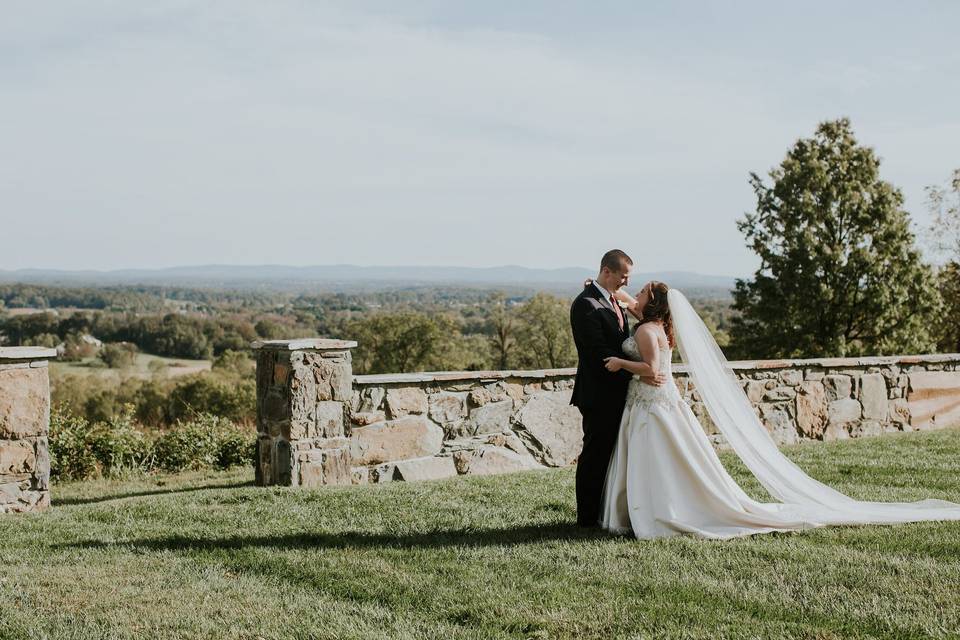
655	381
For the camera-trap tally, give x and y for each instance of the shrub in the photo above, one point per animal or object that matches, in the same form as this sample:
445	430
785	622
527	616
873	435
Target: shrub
118	355
235	362
204	442
237	448
71	457
120	447
80	449
228	397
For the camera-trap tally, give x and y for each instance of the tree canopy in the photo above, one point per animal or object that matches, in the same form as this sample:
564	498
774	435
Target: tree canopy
840	274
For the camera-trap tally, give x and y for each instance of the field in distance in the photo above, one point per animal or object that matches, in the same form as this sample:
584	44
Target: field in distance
144	366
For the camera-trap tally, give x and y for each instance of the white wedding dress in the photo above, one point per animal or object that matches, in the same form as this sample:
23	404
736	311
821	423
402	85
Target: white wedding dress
665	479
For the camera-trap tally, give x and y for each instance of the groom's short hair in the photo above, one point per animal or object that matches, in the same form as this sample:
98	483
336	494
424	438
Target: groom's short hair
614	260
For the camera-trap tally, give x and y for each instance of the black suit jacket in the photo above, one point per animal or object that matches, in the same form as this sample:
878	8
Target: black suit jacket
597	335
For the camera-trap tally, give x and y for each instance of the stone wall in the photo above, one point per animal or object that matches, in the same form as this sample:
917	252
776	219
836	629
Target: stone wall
319	424
24	423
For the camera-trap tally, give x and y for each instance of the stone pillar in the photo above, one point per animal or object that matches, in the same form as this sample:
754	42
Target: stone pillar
24	426
303	396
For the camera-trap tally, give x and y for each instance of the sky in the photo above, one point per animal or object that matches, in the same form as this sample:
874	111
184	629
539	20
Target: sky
533	133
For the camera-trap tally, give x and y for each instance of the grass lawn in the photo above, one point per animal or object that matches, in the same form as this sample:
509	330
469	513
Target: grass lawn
211	556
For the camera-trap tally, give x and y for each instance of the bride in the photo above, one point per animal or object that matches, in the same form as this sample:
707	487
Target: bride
664	477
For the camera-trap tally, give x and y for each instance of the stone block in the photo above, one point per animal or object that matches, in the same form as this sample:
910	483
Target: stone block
329	419
263	475
371	399
429	468
281	462
302	395
791	377
866	428
311	474
491	460
334	379
780	394
337	467
461	460
360	475
274	406
403	401
553	426
491	417
873	396
836	432
281	373
890	375
17	456
843	411
755	390
514	391
325	420
778	424
408	437
265	367
24	402
42	470
448	408
837	387
363	419
934	399
811	409
479	397
326	466
9	493
383	473
899	411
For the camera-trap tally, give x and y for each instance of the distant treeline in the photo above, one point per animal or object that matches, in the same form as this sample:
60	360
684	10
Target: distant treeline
422	328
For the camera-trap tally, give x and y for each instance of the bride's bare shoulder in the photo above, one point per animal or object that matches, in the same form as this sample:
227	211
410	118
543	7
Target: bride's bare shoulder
653	330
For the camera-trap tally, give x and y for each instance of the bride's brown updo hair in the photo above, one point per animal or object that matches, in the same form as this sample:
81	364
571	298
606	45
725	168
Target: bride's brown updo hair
658	309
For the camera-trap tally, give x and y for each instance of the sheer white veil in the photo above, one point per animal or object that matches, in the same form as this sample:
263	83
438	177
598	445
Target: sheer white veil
737	421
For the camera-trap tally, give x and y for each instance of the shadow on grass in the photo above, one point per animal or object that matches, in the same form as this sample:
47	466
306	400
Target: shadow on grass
530	534
861	539
65	502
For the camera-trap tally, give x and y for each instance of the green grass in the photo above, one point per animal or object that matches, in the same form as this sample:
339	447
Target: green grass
211	556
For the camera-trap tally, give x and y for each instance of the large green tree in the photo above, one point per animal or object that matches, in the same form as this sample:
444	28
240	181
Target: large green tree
544	340
840	274
404	341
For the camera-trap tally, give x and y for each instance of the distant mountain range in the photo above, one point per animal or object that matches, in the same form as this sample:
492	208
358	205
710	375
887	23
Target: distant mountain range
352	277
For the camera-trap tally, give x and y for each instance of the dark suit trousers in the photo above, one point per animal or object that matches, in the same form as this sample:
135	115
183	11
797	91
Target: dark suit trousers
600	428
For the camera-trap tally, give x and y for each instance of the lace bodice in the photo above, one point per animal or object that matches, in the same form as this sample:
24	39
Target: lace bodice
645	395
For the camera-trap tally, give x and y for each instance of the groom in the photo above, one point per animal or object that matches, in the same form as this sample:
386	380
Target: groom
599	329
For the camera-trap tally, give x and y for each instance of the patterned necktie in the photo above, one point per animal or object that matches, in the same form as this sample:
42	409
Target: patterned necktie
616	309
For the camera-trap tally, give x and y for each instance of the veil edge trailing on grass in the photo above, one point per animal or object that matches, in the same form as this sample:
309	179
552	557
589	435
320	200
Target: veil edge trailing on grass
735	418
